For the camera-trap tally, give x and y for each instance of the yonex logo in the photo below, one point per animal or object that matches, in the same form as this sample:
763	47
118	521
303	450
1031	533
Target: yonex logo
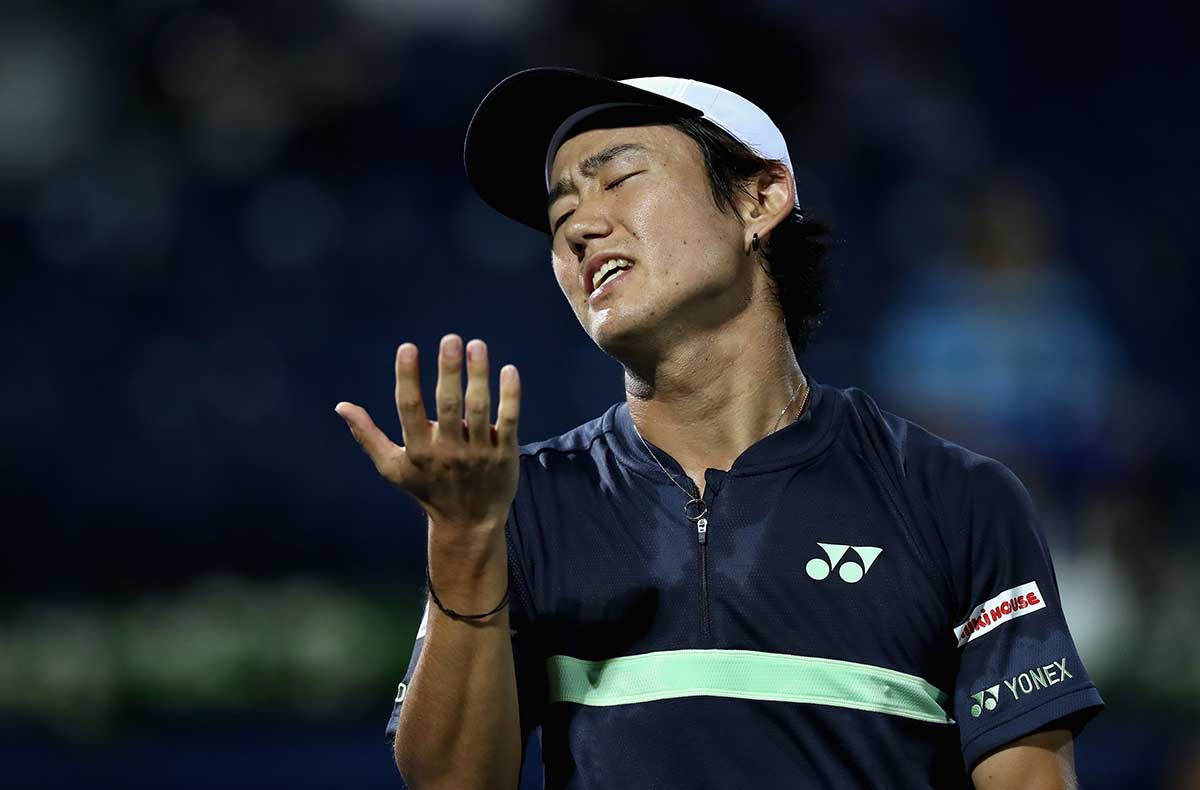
849	570
985	700
1027	682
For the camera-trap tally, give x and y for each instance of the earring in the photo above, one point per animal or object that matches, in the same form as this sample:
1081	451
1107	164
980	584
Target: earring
754	243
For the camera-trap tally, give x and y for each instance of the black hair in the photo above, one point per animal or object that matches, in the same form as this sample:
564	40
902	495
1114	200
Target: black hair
795	256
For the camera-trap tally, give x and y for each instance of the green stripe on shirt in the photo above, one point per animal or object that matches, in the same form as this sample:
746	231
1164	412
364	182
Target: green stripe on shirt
745	674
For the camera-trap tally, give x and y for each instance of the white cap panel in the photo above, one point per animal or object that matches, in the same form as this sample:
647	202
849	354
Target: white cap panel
741	118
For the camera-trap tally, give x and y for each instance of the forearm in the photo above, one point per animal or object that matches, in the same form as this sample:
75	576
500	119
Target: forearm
459	726
1041	761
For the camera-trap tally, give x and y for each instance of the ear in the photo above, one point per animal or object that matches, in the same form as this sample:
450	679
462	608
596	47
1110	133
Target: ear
767	201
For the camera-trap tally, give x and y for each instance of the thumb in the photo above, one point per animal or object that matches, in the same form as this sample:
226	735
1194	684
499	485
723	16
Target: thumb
373	441
346	412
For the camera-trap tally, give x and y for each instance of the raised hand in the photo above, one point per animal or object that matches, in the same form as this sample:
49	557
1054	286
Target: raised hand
462	471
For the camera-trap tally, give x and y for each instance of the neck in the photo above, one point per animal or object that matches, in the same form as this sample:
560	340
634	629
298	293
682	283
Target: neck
712	396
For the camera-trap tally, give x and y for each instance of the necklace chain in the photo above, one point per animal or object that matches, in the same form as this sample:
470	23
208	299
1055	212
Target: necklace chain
692	500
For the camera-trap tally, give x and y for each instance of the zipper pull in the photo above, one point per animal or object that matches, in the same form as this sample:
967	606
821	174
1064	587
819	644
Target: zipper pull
702	530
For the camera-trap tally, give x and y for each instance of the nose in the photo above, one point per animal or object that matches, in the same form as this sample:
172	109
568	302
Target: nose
589	222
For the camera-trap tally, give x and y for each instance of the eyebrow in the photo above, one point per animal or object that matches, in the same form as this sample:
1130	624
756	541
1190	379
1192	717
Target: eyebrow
589	166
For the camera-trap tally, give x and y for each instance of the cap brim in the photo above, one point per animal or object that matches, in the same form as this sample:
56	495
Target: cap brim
508	137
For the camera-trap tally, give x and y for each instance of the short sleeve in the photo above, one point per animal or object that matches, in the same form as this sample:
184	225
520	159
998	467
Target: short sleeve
530	672
402	689
1018	671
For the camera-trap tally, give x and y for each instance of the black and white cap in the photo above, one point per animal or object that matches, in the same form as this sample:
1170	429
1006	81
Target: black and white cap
519	126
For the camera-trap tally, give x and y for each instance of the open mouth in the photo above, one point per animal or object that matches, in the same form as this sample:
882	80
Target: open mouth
611	270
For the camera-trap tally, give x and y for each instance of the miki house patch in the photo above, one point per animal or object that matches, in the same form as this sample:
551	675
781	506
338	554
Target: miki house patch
994	612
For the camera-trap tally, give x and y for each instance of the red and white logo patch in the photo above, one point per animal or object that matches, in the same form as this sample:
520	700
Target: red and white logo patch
995	612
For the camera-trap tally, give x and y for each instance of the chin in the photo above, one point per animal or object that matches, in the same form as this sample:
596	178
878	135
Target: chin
615	330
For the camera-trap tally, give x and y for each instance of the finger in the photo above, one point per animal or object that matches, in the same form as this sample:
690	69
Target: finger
374	442
479	397
409	405
449	390
510	406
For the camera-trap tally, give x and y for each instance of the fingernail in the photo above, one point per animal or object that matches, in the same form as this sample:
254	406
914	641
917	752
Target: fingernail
454	345
407	352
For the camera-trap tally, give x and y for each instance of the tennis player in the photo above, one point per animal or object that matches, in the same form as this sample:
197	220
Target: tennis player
737	577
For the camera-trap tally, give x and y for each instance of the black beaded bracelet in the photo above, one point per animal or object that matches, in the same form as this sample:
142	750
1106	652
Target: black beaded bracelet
453	615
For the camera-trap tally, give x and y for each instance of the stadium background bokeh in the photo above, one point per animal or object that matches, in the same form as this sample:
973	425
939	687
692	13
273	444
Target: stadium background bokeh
218	219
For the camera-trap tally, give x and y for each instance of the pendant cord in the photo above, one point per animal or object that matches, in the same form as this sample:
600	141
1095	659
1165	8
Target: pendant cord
692	500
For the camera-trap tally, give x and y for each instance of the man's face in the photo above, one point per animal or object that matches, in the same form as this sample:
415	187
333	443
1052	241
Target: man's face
641	194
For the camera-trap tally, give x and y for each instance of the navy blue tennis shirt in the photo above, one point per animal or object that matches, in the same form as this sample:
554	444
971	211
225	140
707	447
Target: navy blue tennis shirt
871	606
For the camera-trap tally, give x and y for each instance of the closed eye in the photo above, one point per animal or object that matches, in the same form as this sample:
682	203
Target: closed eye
623	179
558	222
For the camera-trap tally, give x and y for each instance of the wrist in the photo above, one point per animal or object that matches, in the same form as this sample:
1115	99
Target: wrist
469	545
468	566
470	617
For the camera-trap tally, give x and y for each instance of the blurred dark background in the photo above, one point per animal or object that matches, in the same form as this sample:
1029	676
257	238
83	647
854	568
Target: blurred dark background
219	219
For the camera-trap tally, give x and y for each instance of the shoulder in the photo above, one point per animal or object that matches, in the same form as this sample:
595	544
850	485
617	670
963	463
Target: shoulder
556	474
579	448
948	475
